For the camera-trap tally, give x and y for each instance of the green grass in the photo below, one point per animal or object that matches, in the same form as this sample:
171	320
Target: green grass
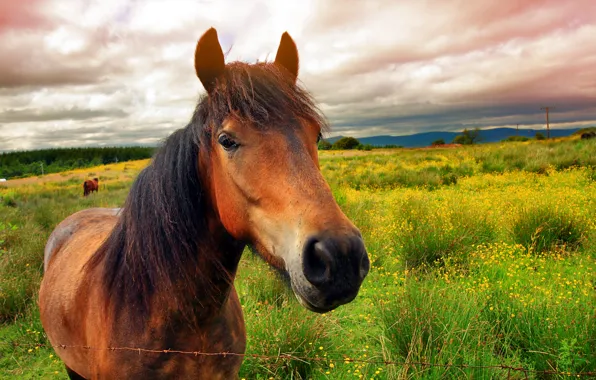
543	229
481	257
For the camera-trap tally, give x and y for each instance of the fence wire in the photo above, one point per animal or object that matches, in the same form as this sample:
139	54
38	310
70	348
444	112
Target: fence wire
339	358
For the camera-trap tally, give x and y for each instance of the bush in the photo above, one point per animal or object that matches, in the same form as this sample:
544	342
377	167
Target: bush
324	145
539	136
346	143
541	229
468	137
438	142
432	235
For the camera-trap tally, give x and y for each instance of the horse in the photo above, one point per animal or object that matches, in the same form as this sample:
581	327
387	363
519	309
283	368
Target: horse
158	273
90	186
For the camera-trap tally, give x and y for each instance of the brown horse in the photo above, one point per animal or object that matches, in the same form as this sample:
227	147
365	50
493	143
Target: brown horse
158	274
90	186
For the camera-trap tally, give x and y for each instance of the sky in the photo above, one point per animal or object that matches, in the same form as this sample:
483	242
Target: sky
121	72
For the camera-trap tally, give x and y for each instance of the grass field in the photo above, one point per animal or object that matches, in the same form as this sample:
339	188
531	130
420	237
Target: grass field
482	256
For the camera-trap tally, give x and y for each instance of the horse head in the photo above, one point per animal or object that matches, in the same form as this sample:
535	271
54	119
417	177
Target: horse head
259	163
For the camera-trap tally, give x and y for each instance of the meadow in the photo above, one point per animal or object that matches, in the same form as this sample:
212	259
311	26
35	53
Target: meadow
483	266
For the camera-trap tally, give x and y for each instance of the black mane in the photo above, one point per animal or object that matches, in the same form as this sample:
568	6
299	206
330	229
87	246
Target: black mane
158	243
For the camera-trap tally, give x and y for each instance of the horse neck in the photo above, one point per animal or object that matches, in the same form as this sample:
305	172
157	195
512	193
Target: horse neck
219	262
223	251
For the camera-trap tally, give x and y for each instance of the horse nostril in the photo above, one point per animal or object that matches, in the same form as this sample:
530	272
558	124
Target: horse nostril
364	265
360	257
317	263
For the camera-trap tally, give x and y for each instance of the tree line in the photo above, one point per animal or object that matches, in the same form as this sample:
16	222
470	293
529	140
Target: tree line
345	143
30	163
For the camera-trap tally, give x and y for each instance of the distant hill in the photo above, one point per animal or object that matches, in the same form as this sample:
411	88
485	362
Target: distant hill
426	138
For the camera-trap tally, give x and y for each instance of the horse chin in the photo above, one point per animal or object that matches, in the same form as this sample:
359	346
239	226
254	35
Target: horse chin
309	306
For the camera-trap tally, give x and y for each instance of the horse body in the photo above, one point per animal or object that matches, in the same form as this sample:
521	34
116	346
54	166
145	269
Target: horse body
123	285
76	297
90	186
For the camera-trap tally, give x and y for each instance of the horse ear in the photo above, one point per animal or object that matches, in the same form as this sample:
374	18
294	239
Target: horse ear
209	59
287	56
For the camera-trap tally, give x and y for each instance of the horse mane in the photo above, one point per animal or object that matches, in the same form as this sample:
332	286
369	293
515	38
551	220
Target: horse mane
158	244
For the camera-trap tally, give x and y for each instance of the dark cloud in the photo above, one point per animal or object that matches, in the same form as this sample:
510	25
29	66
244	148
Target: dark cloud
429	117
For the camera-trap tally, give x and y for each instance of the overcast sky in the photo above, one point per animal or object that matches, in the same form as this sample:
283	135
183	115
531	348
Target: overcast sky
112	72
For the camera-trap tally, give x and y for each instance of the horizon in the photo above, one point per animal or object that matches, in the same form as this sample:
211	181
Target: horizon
158	143
122	71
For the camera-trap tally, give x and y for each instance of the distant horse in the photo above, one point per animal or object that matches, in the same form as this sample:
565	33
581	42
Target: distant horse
90	186
588	135
158	274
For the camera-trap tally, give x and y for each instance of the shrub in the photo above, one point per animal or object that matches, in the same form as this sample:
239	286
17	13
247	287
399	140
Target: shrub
542	229
432	234
468	137
346	143
324	145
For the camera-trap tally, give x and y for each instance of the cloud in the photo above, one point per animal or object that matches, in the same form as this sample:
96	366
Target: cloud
29	115
23	15
121	71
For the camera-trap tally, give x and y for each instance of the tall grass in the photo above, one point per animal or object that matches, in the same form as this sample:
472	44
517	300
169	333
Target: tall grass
434	168
481	257
543	229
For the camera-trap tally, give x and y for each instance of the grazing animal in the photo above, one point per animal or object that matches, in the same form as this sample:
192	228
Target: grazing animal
588	135
90	186
158	274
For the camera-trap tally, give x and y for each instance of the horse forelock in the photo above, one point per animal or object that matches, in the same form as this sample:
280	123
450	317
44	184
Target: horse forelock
257	94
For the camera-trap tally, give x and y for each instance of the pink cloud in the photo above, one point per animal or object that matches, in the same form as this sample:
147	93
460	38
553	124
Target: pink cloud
379	65
23	15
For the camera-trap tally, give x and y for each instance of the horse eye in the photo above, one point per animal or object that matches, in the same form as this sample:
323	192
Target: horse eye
226	142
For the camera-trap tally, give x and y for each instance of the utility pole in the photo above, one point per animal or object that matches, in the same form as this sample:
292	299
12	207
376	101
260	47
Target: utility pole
41	163
547	125
517	130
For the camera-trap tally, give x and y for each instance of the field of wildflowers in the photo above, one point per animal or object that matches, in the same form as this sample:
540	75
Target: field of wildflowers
482	257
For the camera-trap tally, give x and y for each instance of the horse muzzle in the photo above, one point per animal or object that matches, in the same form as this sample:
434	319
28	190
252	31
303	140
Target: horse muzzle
331	271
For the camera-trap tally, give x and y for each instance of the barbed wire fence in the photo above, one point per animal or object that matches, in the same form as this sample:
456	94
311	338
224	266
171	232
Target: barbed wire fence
511	370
